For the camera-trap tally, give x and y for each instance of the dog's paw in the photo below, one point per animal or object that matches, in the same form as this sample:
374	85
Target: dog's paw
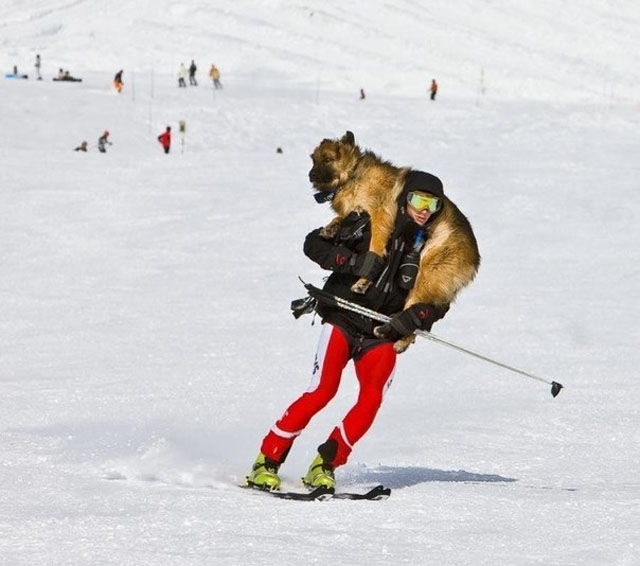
401	345
329	232
360	286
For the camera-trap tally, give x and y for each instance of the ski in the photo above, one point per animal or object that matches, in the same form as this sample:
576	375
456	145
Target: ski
318	494
378	493
322	493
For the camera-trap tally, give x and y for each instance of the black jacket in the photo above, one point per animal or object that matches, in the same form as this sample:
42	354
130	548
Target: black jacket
342	254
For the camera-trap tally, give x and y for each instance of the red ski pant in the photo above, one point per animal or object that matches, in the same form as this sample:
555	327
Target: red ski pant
374	371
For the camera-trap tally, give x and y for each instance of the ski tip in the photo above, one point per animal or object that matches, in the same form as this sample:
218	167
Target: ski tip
555	388
378	493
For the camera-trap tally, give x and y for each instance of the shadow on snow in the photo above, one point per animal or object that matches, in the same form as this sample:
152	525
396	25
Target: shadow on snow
405	476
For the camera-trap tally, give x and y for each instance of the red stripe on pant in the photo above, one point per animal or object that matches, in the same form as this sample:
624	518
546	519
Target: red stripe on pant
374	371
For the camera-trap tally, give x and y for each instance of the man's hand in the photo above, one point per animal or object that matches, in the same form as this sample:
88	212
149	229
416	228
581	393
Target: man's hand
420	316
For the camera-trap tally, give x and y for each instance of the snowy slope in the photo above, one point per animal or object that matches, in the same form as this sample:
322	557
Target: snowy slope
541	50
147	341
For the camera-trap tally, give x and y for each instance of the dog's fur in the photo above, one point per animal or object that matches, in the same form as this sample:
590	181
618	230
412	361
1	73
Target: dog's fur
449	261
362	181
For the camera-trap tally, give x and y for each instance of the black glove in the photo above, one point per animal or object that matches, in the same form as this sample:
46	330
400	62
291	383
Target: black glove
352	229
420	316
338	255
368	264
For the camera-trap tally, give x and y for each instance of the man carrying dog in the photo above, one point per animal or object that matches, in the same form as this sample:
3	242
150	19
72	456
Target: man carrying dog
423	220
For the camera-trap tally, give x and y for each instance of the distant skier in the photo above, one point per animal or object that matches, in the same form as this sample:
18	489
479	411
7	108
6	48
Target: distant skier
214	73
433	89
182	74
165	139
117	81
362	94
103	142
37	66
192	73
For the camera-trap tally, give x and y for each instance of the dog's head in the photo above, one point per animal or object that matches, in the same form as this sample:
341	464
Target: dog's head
333	163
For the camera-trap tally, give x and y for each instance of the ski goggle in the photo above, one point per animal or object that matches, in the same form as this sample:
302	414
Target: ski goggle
422	202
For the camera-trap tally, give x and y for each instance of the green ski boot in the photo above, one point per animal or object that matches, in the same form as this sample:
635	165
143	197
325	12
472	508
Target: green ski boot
320	474
264	474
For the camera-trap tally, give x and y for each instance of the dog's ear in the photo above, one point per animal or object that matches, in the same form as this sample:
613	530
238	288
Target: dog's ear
349	138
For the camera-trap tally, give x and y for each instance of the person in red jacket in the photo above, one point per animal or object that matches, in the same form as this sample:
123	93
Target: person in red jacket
165	139
433	89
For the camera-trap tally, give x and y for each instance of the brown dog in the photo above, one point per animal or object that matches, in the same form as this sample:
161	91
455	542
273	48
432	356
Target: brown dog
360	181
357	181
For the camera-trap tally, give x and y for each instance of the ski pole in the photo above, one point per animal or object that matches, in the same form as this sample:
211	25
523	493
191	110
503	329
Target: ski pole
555	386
321	295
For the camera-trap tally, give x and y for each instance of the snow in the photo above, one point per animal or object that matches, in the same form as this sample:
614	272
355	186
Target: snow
147	344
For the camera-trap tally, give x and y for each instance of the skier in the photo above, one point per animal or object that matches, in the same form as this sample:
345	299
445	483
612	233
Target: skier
347	336
433	89
37	66
214	73
182	74
117	81
103	142
165	139
192	73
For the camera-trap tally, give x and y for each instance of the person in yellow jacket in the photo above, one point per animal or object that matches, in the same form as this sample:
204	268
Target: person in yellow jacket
214	73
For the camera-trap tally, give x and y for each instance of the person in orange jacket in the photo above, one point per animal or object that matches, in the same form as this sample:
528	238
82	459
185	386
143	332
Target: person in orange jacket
214	73
165	139
117	81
